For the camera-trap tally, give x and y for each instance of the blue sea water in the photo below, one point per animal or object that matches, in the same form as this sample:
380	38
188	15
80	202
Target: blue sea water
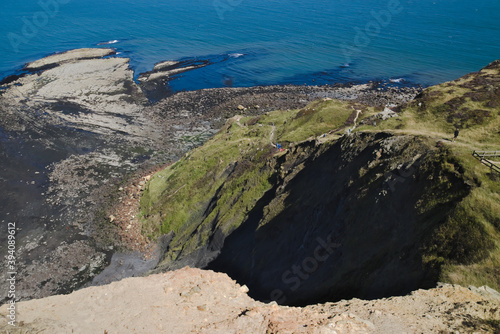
260	42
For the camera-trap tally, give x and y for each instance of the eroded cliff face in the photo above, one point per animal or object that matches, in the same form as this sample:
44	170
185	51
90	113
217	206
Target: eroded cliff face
346	219
342	218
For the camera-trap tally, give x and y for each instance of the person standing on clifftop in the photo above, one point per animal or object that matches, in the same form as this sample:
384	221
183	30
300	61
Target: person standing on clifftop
456	135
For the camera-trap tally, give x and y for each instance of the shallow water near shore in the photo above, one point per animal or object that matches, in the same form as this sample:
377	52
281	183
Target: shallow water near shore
260	42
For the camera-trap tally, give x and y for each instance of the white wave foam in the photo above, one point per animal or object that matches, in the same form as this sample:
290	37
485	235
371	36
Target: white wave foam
398	80
109	42
236	55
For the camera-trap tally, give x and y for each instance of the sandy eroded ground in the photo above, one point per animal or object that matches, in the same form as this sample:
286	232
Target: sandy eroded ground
198	301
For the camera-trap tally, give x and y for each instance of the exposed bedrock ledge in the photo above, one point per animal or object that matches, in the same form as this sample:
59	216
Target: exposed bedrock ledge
68	56
70	126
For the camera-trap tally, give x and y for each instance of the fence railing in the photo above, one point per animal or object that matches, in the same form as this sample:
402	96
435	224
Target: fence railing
487	153
482	155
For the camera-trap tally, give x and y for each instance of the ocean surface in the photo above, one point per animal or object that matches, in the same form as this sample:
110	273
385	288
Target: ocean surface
261	42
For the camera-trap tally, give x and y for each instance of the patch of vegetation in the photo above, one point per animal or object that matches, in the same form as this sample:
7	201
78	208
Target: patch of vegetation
180	198
476	325
318	118
253	121
462	239
468	103
196	139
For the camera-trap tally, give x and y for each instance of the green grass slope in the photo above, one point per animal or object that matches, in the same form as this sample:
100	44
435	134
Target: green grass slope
216	185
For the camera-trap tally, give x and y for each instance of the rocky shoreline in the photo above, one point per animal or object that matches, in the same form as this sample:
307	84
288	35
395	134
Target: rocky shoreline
73	125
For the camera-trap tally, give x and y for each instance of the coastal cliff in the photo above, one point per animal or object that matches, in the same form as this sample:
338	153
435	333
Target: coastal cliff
302	208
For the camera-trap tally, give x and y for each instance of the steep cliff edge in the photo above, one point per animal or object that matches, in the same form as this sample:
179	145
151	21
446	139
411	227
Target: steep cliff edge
329	233
391	207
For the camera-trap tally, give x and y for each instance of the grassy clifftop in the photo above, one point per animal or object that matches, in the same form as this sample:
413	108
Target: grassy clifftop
239	181
218	184
471	104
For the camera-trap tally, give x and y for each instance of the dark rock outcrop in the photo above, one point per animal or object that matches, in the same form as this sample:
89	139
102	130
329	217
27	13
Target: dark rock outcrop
345	220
